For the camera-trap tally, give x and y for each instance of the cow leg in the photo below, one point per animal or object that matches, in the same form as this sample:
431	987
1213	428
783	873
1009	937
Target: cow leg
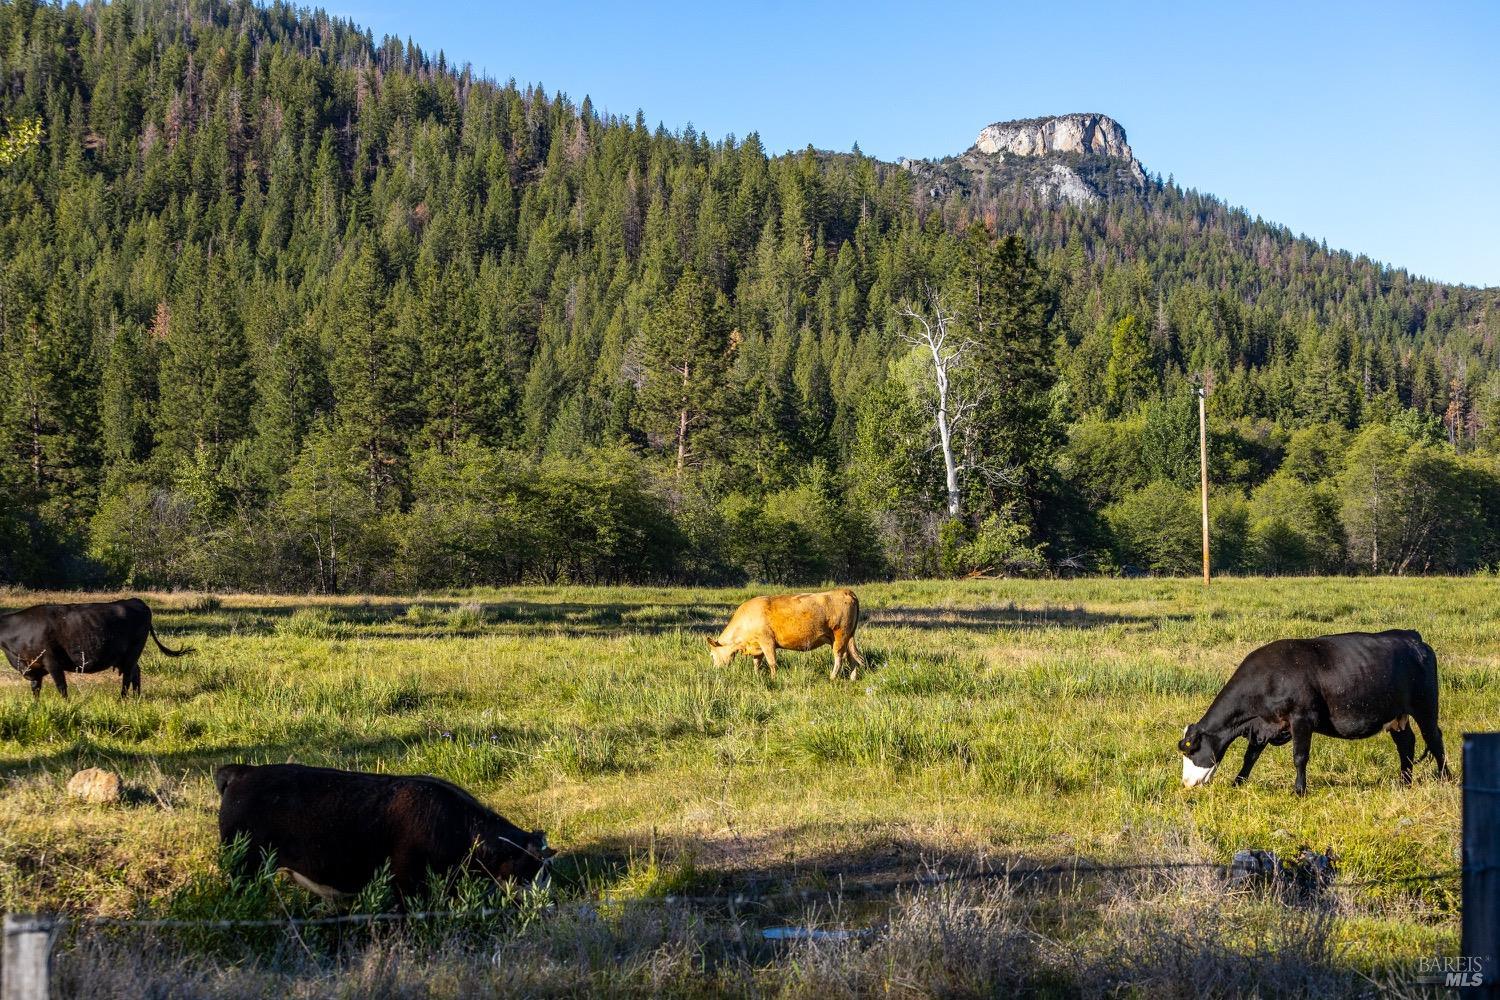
845	654
247	864
759	662
1406	749
58	663
855	655
1301	748
130	677
35	675
409	879
768	647
1252	754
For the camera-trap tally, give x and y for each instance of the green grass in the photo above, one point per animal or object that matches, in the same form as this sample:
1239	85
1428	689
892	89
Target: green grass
1032	720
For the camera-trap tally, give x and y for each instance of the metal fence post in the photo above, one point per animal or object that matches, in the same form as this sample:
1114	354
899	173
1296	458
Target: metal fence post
27	957
1481	860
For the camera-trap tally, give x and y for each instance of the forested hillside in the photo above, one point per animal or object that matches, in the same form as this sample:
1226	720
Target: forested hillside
284	306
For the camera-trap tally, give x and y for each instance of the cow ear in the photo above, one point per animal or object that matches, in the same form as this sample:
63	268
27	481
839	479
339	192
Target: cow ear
712	642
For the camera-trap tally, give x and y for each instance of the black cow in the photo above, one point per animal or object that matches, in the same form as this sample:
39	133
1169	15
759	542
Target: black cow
333	830
83	638
1350	686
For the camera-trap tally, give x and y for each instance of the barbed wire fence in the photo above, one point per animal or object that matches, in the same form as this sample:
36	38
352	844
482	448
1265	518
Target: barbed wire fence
30	939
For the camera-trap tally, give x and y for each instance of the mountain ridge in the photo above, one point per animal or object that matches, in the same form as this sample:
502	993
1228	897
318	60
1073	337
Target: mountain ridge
262	260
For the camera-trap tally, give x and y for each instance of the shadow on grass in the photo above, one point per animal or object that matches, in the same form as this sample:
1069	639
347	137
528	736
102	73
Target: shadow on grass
948	620
82	752
759	866
390	620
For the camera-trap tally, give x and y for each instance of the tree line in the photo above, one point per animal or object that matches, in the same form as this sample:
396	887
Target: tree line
283	306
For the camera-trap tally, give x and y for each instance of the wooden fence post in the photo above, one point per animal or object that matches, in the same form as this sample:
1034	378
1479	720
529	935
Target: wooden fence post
27	957
1481	860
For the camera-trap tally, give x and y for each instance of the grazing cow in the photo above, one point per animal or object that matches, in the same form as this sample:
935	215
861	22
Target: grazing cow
82	638
333	830
762	625
1350	686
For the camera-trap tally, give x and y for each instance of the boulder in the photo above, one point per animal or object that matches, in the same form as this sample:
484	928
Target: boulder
96	785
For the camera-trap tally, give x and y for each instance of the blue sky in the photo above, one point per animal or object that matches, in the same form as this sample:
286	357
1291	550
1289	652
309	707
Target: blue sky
1375	126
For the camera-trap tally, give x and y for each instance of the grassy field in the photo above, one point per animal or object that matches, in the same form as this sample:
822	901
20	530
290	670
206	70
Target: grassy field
1011	722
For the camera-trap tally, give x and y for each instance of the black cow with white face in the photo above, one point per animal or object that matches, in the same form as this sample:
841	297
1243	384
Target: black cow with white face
1350	686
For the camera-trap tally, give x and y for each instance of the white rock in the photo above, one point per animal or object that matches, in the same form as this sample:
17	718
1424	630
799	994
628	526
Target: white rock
1066	185
1084	134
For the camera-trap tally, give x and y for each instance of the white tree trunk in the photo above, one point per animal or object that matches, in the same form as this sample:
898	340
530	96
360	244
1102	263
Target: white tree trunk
945	434
682	422
933	335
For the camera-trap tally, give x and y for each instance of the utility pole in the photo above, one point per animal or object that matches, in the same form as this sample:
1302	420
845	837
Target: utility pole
1203	465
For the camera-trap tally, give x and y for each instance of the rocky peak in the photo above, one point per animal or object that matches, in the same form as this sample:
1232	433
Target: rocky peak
1083	134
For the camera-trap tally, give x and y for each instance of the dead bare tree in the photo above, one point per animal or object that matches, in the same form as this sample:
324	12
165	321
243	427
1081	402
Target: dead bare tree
934	329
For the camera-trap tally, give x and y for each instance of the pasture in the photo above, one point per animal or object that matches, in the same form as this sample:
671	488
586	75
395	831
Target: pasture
1028	723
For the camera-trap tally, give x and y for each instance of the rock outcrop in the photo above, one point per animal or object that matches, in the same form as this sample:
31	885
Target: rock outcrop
1077	160
1081	134
1064	184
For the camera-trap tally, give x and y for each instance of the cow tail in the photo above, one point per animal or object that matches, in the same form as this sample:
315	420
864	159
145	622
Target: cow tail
1429	661
224	775
1429	656
170	652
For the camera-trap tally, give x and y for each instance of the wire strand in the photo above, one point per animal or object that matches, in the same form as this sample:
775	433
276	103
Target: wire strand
889	886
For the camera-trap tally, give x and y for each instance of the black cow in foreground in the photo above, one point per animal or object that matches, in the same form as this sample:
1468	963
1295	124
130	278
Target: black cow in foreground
1350	686
58	639
333	830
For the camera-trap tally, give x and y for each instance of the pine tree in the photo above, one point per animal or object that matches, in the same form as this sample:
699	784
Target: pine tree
206	381
370	375
48	411
127	403
685	397
1009	315
1127	379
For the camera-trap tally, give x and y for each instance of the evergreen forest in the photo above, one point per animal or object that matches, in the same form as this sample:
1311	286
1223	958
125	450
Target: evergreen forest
284	306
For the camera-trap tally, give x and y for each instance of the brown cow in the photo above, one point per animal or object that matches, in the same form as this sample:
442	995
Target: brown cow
762	625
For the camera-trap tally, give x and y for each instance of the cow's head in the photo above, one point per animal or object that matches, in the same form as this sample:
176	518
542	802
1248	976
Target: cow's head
720	653
513	858
1200	758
